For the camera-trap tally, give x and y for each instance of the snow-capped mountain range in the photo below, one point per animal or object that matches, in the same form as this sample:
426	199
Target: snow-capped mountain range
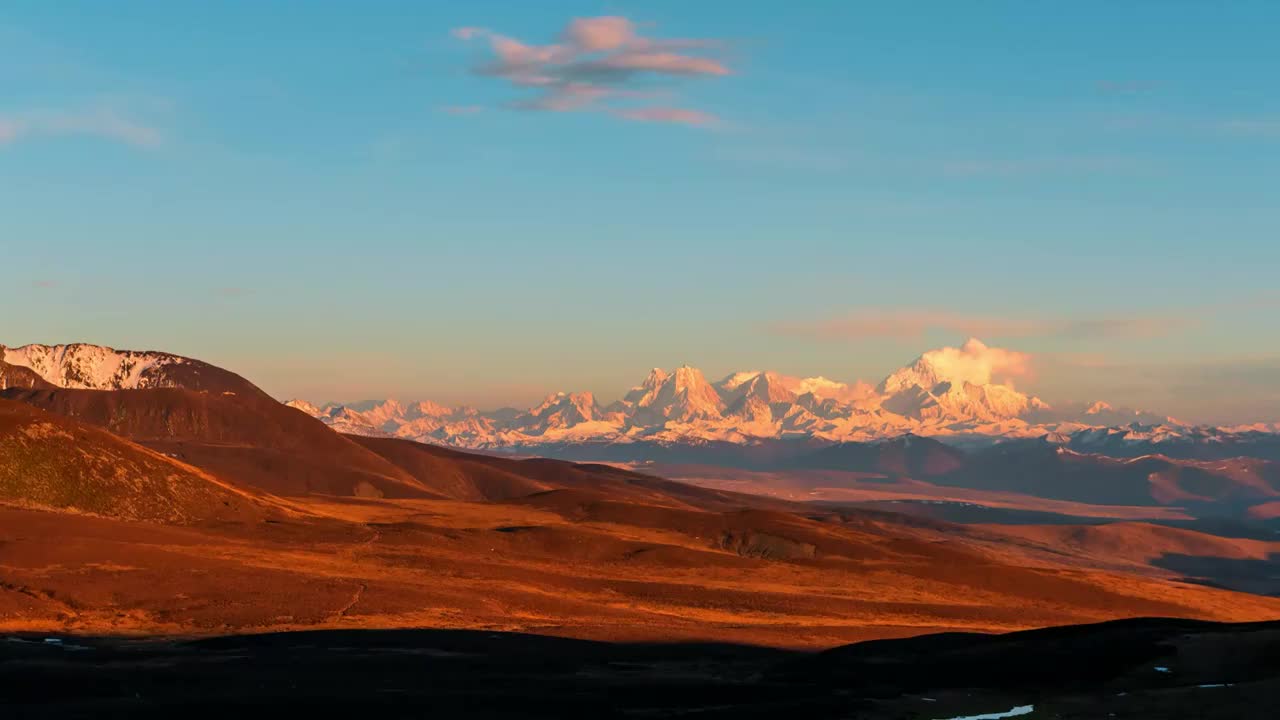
950	392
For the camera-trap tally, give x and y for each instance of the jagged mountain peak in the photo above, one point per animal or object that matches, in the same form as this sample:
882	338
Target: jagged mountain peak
687	376
584	401
656	377
427	408
642	394
765	387
683	395
974	363
961	383
565	410
732	381
1098	408
306	407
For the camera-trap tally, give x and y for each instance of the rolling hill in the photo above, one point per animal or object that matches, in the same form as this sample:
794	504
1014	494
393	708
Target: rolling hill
56	463
243	437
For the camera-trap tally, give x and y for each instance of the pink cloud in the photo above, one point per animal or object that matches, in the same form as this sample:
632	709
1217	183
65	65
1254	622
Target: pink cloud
514	56
566	98
600	33
681	116
593	66
663	62
462	109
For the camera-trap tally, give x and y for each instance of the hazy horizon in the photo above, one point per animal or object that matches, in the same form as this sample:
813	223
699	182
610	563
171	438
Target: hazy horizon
1029	373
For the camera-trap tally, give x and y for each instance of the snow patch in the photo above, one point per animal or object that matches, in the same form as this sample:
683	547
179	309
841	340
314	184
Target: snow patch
1015	712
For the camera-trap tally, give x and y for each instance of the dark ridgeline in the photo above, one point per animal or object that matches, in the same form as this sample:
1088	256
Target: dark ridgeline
1134	668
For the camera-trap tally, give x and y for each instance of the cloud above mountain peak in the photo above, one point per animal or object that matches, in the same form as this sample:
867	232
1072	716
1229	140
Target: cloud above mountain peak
978	364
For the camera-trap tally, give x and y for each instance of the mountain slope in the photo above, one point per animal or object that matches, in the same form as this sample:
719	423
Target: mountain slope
207	416
52	462
468	476
18	376
908	456
451	474
1045	470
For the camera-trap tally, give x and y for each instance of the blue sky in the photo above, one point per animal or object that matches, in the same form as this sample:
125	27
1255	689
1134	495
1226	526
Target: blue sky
346	200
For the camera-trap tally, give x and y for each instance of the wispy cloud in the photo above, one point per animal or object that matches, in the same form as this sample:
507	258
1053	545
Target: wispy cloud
44	284
669	115
1240	127
898	323
1256	127
595	66
461	109
105	124
1065	165
1126	87
787	158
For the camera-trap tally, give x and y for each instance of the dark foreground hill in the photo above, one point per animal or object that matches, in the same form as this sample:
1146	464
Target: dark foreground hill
1137	669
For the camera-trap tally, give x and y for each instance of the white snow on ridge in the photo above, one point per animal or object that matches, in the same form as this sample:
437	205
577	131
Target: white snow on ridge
90	367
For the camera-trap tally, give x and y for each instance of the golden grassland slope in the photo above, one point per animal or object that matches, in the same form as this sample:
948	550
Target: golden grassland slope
1240	563
242	437
563	562
51	462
